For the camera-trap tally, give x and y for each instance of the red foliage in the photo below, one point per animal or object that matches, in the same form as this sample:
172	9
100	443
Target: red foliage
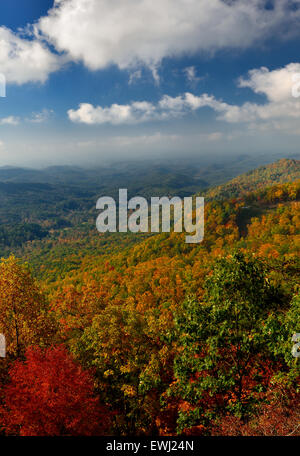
280	417
50	394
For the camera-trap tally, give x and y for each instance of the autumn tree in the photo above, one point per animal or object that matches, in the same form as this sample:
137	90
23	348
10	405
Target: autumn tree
133	362
24	317
49	394
279	415
227	355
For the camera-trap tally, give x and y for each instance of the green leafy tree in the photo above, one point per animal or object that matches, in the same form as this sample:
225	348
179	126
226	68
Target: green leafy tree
227	348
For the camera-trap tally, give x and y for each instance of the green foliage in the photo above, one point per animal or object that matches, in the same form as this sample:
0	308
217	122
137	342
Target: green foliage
285	326
226	350
16	235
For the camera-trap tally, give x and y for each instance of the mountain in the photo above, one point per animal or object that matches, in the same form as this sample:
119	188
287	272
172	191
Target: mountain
284	170
127	304
228	224
44	222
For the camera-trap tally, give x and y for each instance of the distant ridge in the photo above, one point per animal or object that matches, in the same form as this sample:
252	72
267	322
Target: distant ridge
280	172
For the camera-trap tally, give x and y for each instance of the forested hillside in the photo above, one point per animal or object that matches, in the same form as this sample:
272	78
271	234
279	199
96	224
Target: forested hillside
59	202
148	335
282	171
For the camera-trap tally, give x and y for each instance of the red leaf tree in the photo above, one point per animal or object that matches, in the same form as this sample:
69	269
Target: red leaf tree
50	394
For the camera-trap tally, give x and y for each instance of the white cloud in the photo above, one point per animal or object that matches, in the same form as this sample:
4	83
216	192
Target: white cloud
276	86
25	60
143	111
191	74
10	120
133	32
115	114
134	76
278	111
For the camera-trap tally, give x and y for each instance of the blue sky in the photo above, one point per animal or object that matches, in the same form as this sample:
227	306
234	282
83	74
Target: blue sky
92	80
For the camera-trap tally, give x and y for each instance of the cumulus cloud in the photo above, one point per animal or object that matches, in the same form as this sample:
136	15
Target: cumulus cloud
277	88
278	108
276	84
25	60
144	111
132	32
115	114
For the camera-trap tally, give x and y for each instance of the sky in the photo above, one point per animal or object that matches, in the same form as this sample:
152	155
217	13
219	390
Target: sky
89	81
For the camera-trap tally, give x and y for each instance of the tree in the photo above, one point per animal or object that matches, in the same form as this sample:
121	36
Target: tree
24	317
279	416
49	394
227	357
290	325
133	362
